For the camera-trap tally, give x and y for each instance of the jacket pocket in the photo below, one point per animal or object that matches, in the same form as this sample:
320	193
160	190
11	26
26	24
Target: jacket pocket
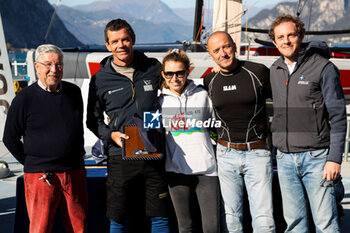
314	107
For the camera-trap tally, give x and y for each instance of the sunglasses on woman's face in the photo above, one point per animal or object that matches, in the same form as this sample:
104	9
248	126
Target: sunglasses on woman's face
170	74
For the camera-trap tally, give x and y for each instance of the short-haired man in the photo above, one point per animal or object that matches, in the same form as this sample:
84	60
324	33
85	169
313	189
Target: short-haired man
239	92
308	126
49	116
126	84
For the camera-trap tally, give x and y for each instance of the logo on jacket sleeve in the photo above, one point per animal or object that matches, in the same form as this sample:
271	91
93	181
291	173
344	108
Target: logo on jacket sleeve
151	120
303	80
148	85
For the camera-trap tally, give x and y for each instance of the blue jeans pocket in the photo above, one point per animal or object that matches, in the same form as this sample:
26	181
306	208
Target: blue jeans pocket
279	154
318	154
261	152
220	150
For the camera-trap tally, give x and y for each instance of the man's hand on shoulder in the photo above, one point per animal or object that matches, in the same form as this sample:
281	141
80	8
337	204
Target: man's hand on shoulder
216	69
331	171
117	137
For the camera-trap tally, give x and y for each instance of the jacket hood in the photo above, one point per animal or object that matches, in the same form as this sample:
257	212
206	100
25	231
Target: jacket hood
319	47
190	86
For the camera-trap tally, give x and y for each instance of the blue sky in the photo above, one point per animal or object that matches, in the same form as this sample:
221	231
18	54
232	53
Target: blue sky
177	3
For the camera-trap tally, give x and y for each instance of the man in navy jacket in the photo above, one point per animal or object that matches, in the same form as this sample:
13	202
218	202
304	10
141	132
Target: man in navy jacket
126	85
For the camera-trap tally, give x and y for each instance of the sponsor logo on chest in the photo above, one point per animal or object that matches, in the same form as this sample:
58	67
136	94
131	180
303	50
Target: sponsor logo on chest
148	85
229	88
303	80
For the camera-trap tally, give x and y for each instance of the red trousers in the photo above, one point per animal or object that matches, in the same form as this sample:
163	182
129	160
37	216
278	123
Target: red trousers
67	190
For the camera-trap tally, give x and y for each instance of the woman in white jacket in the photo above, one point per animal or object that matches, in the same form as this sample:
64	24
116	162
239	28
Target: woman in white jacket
190	162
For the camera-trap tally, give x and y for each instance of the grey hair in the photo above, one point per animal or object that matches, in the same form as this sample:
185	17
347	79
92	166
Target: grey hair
47	48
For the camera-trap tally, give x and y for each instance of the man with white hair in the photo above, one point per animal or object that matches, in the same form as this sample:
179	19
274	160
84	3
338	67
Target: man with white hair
48	115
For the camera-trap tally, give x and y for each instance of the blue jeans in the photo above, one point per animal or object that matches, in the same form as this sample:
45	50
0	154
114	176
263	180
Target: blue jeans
254	170
159	225
300	175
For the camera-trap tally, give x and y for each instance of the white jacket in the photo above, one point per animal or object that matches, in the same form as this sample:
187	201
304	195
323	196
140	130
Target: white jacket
188	146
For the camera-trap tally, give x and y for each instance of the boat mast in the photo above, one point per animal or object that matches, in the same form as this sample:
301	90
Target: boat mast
197	26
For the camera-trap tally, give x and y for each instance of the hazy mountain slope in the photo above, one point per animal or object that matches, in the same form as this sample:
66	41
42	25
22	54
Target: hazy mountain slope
151	10
324	16
89	26
26	22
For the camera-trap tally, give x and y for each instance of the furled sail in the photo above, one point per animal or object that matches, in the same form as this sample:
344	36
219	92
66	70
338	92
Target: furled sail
227	17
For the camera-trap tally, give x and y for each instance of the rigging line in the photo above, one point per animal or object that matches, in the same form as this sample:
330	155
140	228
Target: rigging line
51	21
310	13
234	19
300	8
246	35
207	17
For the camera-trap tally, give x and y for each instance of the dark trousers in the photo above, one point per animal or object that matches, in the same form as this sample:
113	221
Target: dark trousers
186	189
136	181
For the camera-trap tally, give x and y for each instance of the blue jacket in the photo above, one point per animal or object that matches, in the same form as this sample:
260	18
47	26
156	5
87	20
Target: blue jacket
309	104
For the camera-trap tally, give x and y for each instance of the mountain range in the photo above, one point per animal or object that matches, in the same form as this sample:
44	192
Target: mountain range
317	15
26	22
88	26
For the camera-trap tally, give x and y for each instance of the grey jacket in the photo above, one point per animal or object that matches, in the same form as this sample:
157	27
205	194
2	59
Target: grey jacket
309	104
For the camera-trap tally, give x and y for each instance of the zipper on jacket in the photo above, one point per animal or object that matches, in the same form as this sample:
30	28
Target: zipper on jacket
287	92
134	99
315	111
115	122
133	90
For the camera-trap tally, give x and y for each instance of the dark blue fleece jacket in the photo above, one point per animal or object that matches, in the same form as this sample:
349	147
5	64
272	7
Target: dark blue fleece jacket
51	125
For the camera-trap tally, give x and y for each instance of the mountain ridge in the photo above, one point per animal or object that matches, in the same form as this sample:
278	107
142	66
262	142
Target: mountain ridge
325	16
25	25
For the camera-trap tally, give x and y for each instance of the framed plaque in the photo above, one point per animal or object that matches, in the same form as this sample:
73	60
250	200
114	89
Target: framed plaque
134	147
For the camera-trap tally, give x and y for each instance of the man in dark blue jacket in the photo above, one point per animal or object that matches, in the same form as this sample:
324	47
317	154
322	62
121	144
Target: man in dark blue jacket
308	127
126	85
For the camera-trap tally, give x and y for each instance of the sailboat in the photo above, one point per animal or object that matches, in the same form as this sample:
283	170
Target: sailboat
82	64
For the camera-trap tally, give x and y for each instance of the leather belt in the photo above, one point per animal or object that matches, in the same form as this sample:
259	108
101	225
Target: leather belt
243	146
